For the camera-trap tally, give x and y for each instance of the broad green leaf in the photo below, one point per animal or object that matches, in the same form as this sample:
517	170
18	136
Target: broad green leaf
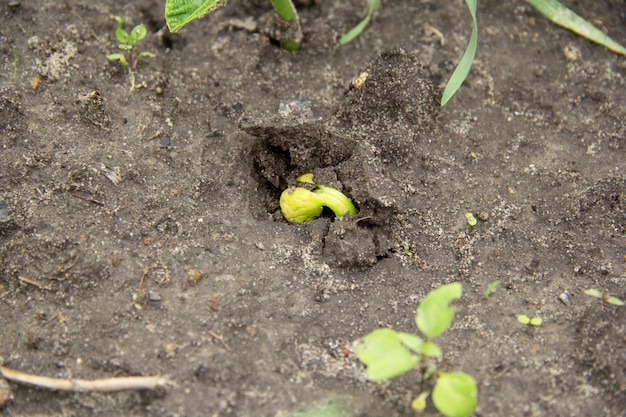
434	315
455	394
614	300
138	33
384	355
356	31
180	12
465	64
122	35
562	16
523	318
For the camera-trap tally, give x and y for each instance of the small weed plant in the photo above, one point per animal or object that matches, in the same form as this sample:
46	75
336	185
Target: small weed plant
127	42
180	12
388	353
609	299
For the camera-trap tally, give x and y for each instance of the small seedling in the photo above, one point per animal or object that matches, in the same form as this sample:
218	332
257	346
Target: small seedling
491	287
14	74
129	58
471	220
300	205
135	301
609	299
388	353
524	319
407	251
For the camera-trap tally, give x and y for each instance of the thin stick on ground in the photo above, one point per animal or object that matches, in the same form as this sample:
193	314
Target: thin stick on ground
82	385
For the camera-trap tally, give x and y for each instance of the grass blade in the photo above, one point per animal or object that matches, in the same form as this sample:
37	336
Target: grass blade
465	64
356	31
562	16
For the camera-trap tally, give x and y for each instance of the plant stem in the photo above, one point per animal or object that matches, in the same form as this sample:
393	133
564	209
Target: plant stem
285	9
290	33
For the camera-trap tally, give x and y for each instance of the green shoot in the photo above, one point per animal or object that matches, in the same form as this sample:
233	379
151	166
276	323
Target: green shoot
299	205
358	29
609	299
387	353
127	42
14	74
491	287
524	319
562	16
471	220
180	12
465	64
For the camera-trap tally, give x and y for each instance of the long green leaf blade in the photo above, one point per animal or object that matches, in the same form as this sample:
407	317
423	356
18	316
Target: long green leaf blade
465	64
180	12
356	31
562	16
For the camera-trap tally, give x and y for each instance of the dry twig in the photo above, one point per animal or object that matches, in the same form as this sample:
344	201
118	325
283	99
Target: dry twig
82	385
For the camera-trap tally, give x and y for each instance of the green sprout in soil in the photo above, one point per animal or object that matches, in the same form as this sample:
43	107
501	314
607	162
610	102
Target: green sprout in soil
491	287
300	205
524	319
388	353
127	41
471	220
14	74
609	299
180	12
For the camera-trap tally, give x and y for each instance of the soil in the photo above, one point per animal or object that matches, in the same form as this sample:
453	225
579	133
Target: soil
140	233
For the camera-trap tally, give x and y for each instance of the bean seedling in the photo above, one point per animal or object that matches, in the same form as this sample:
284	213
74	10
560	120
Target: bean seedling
388	353
301	205
127	42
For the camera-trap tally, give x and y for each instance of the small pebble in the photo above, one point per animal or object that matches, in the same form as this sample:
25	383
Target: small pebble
564	298
153	296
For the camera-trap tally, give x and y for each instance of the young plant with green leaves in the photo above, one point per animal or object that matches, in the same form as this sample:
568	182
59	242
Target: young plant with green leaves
388	353
127	42
288	31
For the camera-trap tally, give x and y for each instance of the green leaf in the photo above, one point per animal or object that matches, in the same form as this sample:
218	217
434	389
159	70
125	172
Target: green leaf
146	54
432	350
118	57
358	29
614	300
434	315
523	318
180	12
138	32
491	287
385	355
465	64
593	293
121	35
455	394
411	341
562	16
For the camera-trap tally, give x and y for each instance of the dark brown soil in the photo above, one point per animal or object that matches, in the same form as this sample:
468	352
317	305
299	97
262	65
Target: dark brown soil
140	233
